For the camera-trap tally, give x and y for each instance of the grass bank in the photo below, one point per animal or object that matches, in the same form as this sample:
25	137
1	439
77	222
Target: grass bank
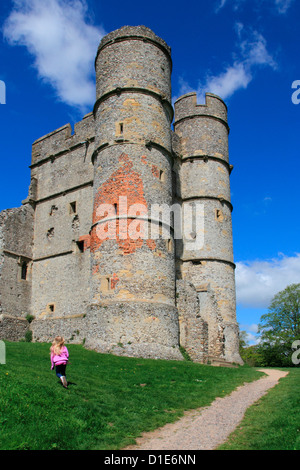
273	423
109	402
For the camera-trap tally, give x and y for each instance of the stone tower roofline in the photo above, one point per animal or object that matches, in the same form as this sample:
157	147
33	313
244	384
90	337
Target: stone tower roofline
141	33
186	107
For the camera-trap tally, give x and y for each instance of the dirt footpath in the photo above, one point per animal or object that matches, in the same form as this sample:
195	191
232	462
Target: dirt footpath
207	428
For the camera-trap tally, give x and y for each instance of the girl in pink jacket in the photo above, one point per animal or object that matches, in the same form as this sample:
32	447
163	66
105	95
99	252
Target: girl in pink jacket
59	357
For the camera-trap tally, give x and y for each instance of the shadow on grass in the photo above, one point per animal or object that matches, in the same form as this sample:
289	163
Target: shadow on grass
68	383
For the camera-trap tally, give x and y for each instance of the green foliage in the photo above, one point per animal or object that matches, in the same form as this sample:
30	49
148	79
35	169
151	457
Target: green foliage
243	340
273	423
282	322
109	401
280	327
28	336
30	318
185	354
252	356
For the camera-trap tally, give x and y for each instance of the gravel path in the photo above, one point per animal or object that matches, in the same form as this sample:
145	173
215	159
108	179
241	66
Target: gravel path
207	428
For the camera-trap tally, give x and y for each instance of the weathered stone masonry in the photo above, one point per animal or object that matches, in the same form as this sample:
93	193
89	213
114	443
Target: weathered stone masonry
129	296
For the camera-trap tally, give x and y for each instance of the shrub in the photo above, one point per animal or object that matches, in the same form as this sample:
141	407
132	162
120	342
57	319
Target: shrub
30	318
28	336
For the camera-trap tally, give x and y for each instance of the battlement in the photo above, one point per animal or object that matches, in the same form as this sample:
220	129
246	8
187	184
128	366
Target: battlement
62	139
186	107
133	32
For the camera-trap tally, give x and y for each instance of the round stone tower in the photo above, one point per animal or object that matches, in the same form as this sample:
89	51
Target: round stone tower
133	273
204	183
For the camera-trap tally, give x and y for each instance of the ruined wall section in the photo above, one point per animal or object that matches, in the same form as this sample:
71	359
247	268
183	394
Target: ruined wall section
62	193
193	329
16	241
204	180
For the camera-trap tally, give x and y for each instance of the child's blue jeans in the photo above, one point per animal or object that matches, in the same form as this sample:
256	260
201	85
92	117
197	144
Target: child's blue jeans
60	370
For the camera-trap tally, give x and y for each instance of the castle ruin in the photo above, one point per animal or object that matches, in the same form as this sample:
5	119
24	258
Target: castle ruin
127	294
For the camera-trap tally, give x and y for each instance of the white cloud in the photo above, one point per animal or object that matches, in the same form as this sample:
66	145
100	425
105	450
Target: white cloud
252	53
258	281
251	331
220	5
62	42
252	328
252	339
281	6
235	4
254	48
227	83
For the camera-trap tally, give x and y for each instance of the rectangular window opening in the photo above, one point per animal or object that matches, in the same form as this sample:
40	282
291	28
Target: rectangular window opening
160	228
219	215
51	308
121	127
73	207
24	271
80	246
161	175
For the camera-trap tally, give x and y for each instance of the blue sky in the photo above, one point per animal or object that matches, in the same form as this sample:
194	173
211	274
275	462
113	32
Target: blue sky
246	51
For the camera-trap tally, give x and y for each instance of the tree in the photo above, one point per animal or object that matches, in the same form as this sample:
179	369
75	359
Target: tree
249	354
243	340
280	327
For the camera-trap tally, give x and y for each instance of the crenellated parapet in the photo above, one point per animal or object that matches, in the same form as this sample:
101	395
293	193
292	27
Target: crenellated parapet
62	140
186	107
203	129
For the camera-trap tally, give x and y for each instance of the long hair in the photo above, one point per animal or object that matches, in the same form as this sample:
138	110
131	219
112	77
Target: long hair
57	344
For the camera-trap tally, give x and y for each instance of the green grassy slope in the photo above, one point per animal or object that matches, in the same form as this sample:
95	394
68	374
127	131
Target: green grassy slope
109	402
273	423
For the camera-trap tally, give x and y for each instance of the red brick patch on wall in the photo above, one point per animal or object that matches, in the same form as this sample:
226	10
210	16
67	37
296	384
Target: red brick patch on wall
123	182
